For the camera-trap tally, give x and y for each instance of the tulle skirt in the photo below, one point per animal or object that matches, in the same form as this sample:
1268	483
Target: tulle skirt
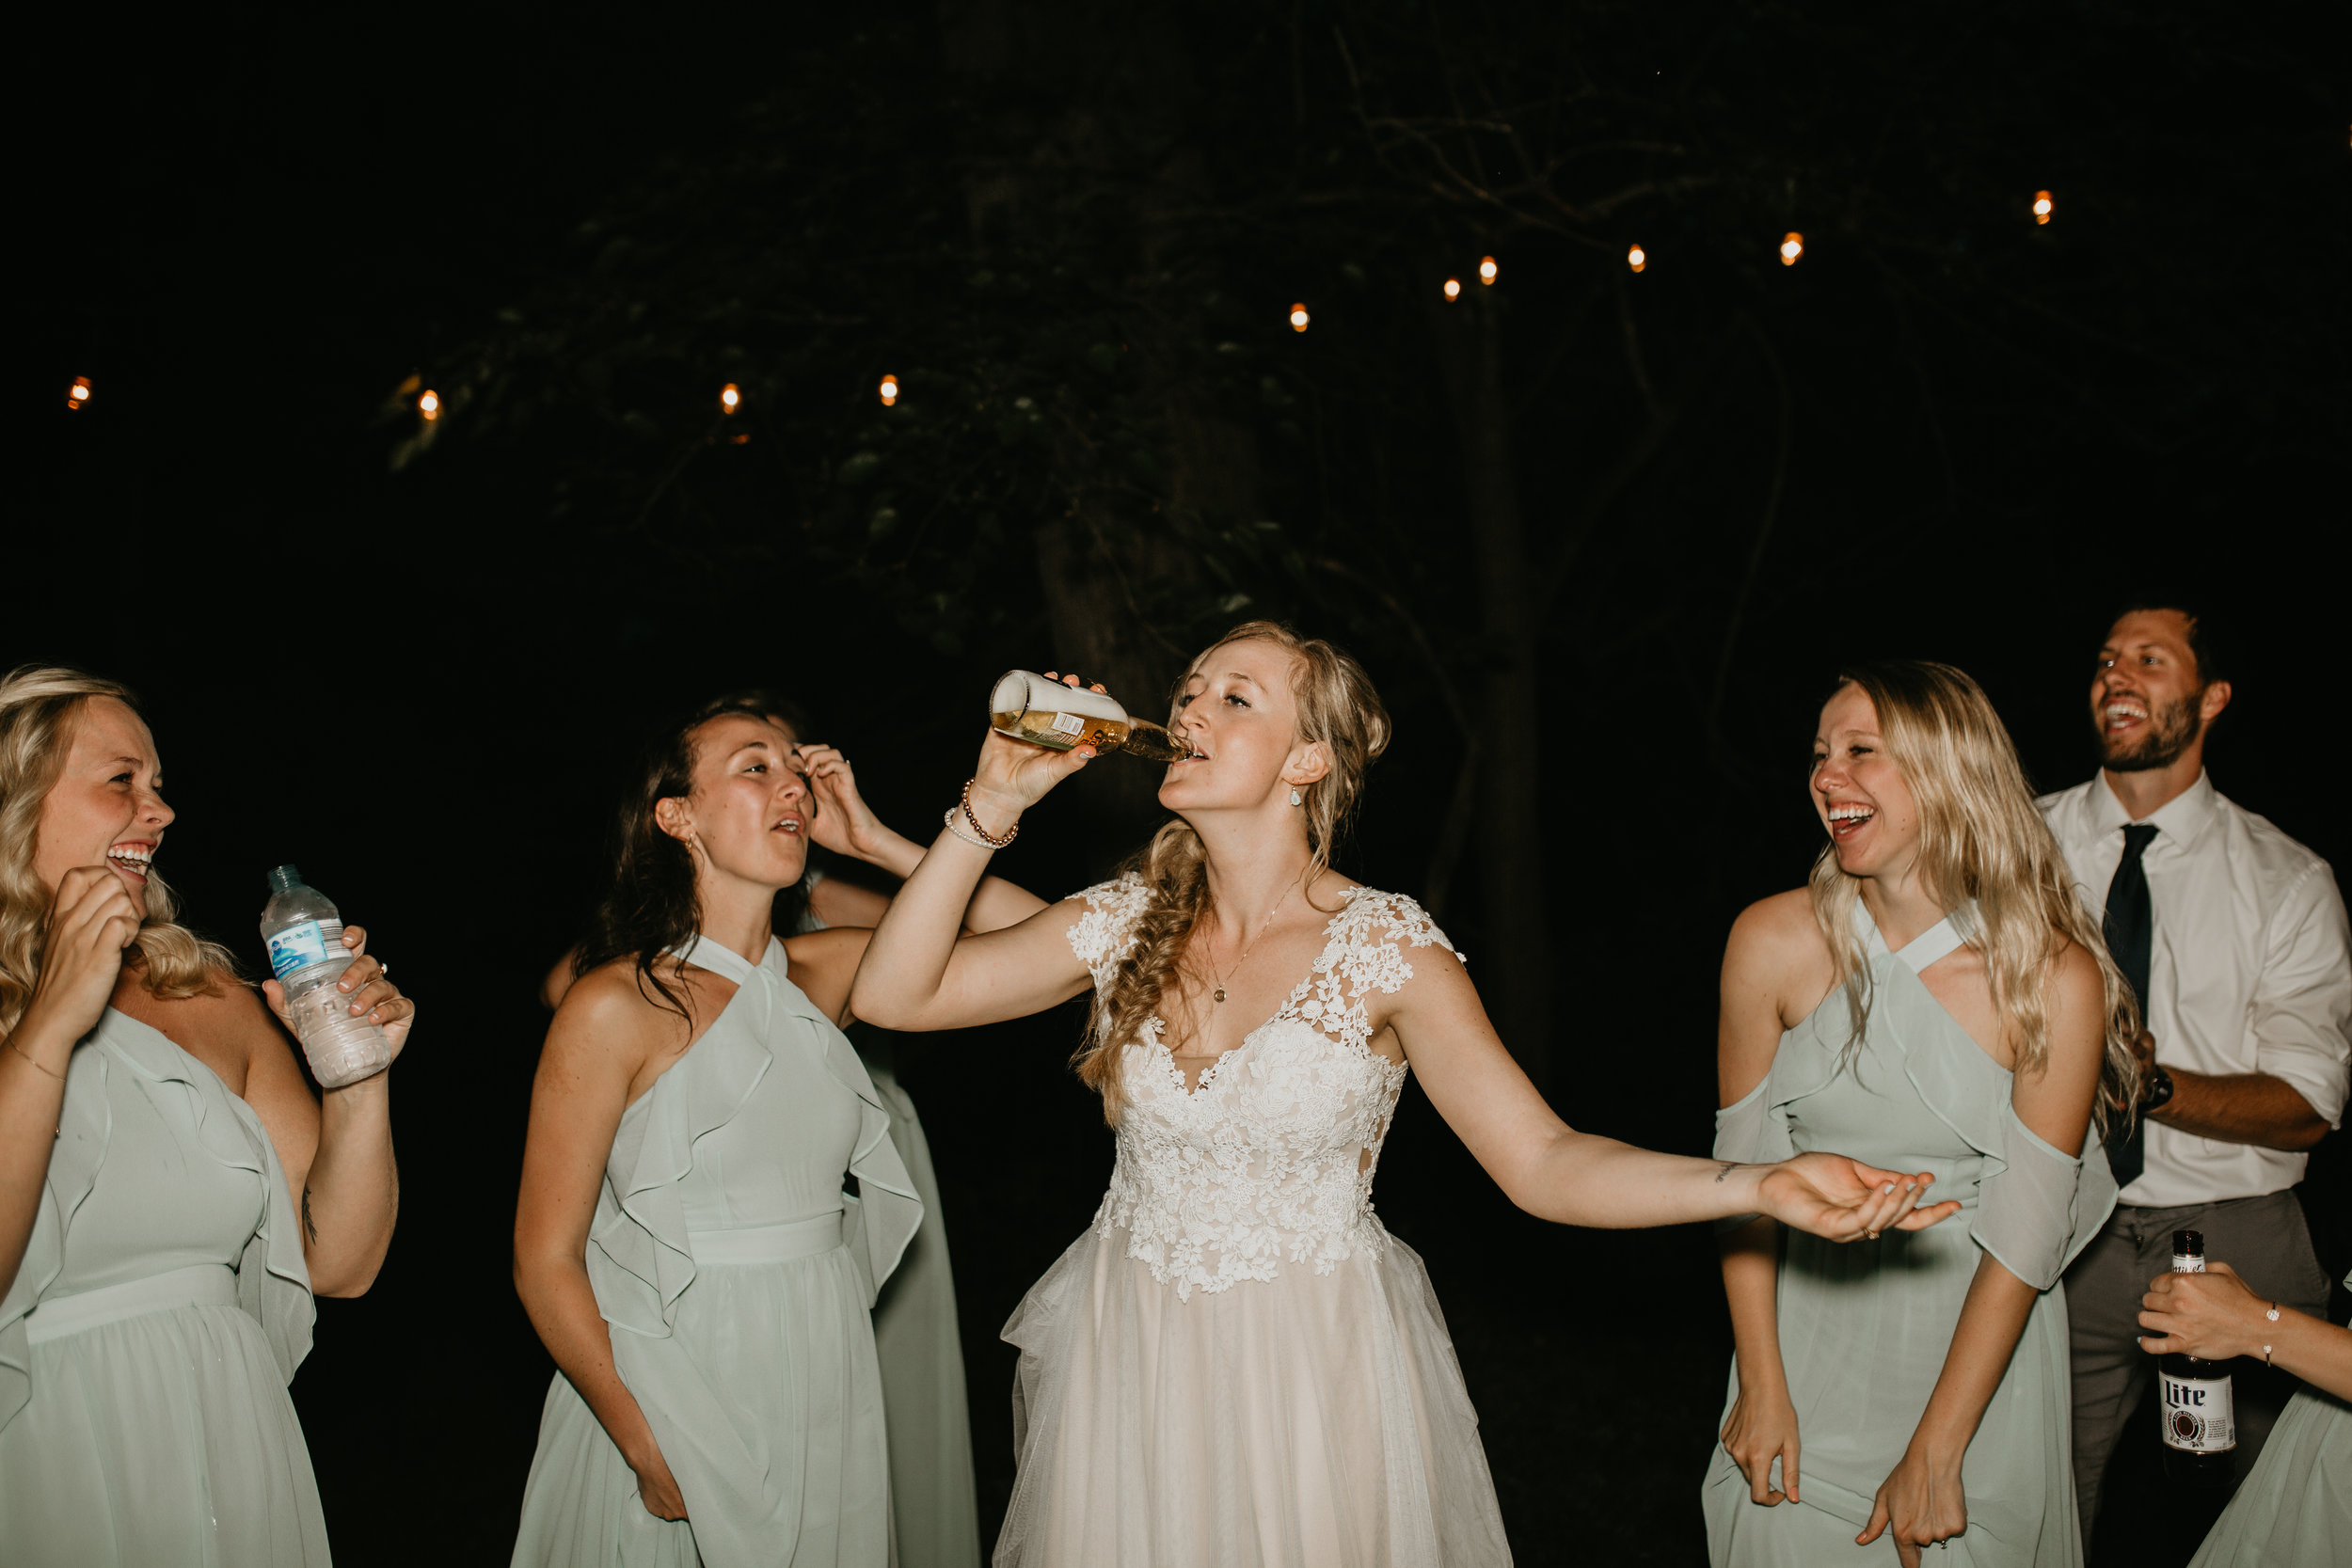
1307	1421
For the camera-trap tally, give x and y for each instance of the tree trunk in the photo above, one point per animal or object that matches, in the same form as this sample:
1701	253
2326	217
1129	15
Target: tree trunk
1514	981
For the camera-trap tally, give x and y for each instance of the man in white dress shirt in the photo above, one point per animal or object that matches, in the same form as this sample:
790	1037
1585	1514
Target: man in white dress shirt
2234	935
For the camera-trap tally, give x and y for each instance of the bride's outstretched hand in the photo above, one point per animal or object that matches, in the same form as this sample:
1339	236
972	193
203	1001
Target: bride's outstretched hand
1015	775
1845	1199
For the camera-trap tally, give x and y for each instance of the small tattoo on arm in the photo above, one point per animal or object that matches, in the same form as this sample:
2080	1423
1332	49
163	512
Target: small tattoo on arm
1725	1167
310	1226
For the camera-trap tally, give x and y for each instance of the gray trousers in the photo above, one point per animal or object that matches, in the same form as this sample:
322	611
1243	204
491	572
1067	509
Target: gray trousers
2264	1239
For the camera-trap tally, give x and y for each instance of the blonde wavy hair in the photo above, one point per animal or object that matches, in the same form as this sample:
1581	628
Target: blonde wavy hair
1337	708
39	705
1982	840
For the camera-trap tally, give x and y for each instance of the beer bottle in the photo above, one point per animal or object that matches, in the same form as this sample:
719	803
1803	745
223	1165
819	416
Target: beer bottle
2200	1420
1028	706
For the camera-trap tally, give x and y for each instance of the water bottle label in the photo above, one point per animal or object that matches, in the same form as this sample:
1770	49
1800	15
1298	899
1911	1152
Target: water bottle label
1069	723
2199	1416
299	948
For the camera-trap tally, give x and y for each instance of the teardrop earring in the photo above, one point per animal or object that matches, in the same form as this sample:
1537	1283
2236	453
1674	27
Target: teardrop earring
1297	799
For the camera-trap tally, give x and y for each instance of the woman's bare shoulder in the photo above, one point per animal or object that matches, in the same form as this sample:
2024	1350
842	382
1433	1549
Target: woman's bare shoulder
1777	931
613	1010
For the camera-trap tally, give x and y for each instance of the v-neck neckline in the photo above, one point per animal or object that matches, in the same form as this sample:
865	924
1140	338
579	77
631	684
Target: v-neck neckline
1297	994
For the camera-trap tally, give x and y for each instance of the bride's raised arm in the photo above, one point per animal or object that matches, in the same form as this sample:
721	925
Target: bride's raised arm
916	974
1557	1173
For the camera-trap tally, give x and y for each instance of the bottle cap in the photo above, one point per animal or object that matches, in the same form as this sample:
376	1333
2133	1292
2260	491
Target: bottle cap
2188	1244
284	878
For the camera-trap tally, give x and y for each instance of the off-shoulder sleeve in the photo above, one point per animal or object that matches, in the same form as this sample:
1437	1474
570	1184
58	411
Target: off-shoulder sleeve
2044	1206
1753	1131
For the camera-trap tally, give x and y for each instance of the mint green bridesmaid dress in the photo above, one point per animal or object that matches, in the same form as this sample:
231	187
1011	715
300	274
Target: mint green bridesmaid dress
149	1336
2294	1510
1864	1327
737	1276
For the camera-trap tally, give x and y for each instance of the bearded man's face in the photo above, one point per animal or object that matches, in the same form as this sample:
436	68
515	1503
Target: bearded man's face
2147	696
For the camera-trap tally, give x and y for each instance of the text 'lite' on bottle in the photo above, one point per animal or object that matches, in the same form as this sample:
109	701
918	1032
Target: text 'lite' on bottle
307	953
1028	706
2193	1398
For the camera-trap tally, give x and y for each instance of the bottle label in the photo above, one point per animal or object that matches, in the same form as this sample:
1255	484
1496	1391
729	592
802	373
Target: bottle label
1069	723
2184	1262
2198	1416
298	947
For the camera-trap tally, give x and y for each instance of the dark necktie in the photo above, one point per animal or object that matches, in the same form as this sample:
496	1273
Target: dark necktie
2131	933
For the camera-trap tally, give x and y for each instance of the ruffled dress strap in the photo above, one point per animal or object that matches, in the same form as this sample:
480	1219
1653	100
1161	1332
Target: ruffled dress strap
272	1280
639	1259
2037	1206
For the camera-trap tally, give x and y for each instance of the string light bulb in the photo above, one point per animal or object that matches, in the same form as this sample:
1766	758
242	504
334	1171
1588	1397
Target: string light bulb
78	395
1791	246
889	390
1298	318
429	405
2042	206
1486	269
1636	258
730	398
1452	290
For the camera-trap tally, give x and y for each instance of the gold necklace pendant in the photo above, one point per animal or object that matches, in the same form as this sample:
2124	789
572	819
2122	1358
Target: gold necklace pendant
1220	994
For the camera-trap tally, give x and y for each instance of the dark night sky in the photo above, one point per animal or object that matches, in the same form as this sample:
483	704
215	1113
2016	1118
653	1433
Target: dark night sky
247	231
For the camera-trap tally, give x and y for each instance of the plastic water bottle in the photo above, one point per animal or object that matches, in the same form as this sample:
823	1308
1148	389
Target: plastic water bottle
307	954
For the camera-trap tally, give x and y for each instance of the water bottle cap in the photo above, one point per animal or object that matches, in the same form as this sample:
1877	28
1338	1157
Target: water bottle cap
284	878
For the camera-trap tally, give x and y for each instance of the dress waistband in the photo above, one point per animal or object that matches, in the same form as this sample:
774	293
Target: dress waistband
205	1285
766	1243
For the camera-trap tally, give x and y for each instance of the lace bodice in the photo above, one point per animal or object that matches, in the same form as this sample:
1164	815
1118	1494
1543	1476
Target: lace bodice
1270	1159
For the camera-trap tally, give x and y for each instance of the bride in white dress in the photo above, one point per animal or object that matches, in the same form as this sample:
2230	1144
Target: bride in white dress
1237	1365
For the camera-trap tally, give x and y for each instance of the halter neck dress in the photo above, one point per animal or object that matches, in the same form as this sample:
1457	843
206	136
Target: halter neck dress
1864	1327
735	1276
146	1343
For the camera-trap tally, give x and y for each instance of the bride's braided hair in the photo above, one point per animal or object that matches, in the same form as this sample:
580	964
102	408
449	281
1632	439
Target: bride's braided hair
1337	706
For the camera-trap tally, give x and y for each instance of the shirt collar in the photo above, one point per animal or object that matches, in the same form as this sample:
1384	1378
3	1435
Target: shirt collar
2180	822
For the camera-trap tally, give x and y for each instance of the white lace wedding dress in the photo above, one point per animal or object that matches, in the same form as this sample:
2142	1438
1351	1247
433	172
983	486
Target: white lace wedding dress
1237	1365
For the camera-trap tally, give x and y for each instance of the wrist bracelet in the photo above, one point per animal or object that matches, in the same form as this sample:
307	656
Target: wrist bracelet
991	840
954	818
36	1065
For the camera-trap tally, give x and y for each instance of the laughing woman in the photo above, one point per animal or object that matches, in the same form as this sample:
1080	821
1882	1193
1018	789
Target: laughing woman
155	1284
1935	999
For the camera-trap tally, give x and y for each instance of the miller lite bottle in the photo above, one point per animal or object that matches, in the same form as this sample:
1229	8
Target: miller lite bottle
2200	1422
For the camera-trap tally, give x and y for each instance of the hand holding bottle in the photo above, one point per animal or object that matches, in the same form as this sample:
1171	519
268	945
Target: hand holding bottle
2212	1316
1015	775
362	991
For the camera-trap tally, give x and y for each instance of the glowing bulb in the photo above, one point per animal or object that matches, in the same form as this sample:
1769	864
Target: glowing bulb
1452	288
78	394
1298	318
1486	269
2042	206
730	398
430	404
889	390
1636	258
1791	247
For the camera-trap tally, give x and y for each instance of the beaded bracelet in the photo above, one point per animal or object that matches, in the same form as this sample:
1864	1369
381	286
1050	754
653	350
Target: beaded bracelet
986	838
954	819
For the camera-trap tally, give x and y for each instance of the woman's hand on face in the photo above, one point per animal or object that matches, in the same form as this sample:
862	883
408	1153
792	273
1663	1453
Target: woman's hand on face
1015	775
1762	1428
655	1487
365	990
2211	1316
91	920
839	818
1922	1503
1846	1200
